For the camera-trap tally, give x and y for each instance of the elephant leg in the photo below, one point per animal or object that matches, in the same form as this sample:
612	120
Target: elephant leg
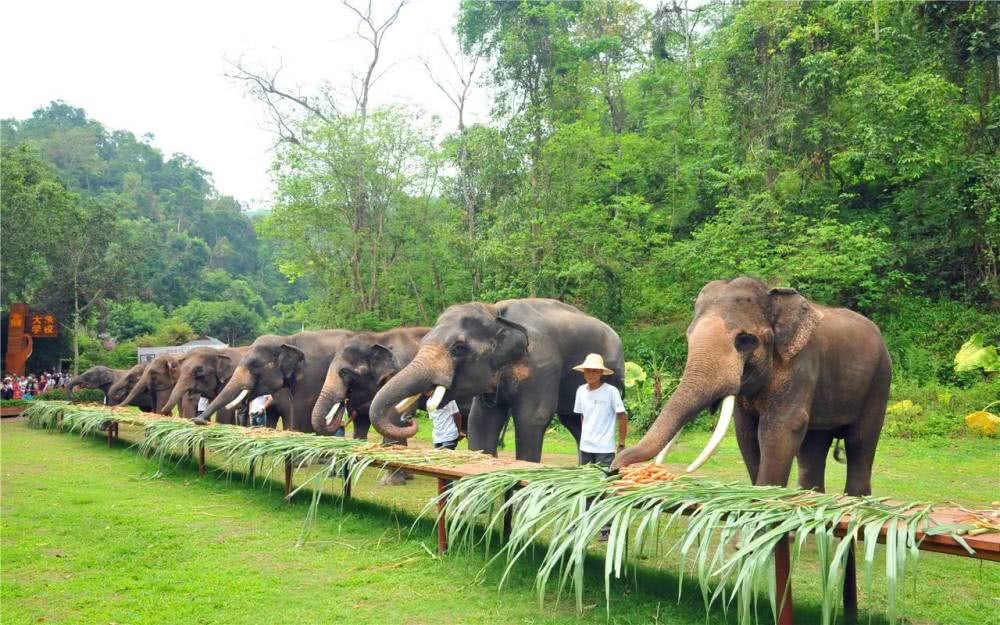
746	438
362	424
485	423
861	437
271	417
779	439
225	416
812	459
574	423
531	419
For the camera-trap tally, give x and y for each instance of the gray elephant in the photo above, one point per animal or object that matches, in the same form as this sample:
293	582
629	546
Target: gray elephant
203	373
363	364
793	374
115	383
158	380
514	358
297	363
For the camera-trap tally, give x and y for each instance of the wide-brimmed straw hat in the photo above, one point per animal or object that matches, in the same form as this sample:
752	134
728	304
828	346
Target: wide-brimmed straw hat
593	361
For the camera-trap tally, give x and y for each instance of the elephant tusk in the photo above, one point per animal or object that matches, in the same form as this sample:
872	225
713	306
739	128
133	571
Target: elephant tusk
333	413
435	400
725	417
405	404
239	398
663	452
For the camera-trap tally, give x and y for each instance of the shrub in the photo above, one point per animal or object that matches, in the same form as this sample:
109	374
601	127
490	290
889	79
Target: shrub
14	403
934	409
94	395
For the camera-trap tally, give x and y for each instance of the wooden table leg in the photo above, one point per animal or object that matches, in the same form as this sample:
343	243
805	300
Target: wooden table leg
111	434
347	481
782	581
201	459
288	479
442	531
508	516
850	587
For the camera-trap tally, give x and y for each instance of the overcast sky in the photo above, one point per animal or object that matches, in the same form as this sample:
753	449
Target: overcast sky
159	69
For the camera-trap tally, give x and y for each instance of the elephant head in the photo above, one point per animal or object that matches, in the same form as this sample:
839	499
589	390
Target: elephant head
269	365
204	372
463	355
742	334
121	389
95	377
360	368
159	377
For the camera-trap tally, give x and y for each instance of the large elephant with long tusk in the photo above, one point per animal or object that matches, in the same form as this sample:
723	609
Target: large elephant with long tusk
297	364
363	364
514	359
158	379
792	374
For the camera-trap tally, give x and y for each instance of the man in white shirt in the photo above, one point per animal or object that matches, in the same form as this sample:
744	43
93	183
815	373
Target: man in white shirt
258	408
601	408
447	422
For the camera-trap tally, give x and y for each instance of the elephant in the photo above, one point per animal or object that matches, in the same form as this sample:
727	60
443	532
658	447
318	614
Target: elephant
793	375
107	380
513	359
362	365
158	380
124	385
297	363
203	372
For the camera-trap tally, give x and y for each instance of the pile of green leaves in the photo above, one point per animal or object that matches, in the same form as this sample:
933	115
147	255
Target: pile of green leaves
569	507
173	439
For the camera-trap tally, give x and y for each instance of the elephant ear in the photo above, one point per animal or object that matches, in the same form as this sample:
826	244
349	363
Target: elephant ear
382	363
793	319
511	342
223	366
289	360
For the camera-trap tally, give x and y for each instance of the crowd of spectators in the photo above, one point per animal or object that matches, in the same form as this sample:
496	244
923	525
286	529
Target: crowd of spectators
27	387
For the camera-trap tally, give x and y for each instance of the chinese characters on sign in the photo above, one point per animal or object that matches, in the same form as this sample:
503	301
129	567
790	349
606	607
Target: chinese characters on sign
43	325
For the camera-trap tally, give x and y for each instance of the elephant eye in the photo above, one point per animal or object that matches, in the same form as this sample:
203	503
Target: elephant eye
459	350
746	342
345	373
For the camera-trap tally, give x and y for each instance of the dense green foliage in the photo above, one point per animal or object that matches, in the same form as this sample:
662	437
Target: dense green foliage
99	222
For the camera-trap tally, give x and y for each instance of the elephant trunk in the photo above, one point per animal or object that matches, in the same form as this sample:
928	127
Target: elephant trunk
432	366
69	387
240	385
136	390
713	371
330	402
180	389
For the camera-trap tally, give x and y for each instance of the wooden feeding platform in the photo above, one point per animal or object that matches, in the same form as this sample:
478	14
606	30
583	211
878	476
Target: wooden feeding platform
985	546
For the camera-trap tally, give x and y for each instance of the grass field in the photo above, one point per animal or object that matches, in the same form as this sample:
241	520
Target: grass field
89	537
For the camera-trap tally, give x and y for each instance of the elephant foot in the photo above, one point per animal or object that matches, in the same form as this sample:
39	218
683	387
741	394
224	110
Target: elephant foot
396	478
407	475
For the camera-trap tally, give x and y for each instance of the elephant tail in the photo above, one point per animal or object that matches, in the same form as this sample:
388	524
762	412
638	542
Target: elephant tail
838	452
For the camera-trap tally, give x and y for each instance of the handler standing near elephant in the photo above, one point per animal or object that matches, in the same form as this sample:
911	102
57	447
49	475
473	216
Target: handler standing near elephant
600	406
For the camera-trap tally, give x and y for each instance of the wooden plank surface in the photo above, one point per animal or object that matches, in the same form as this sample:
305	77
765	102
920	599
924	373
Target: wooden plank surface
986	546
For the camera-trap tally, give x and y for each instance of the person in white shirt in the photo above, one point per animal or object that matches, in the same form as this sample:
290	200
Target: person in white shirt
447	422
258	408
601	408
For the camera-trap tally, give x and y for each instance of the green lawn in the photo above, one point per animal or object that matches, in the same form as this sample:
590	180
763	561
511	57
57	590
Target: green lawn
89	537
